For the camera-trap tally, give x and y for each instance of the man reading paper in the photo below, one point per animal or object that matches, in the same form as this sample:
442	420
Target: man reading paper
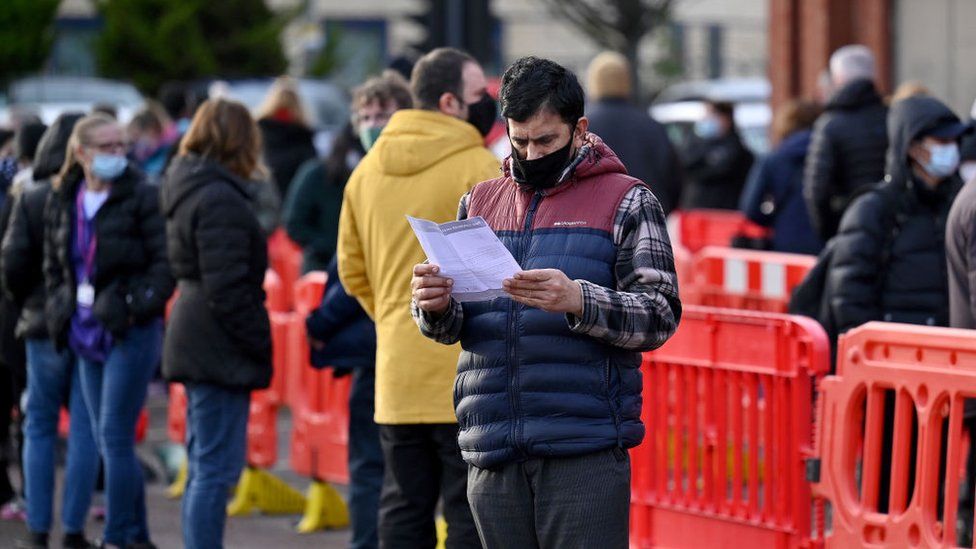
548	391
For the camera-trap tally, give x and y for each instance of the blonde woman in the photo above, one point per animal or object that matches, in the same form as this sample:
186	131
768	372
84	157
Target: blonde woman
285	131
218	343
108	280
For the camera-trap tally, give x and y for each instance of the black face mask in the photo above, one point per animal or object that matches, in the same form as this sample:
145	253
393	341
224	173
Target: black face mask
482	114
543	172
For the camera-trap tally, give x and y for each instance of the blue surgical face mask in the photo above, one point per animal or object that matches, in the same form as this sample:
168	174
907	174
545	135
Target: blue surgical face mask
108	167
708	128
943	160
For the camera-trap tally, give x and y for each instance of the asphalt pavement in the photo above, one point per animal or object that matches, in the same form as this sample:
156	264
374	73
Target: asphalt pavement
255	531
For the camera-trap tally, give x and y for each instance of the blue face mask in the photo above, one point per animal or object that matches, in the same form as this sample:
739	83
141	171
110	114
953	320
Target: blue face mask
943	160
108	167
708	128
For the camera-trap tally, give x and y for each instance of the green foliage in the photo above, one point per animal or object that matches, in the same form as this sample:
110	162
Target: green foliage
152	41
26	35
328	59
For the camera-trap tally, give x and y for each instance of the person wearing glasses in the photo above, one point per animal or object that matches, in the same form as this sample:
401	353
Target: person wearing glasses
108	280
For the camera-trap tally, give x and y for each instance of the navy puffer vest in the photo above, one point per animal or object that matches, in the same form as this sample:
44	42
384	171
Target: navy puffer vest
527	385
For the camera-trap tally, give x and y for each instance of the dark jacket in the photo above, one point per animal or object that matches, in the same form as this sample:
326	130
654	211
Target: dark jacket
961	256
847	153
311	213
132	279
339	322
643	146
889	258
287	145
527	385
778	180
22	259
219	331
717	170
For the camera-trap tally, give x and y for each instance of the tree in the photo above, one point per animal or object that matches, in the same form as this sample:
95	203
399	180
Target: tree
152	41
26	35
617	25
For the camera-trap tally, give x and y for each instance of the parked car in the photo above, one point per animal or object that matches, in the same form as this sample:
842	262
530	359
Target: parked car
678	107
326	103
49	96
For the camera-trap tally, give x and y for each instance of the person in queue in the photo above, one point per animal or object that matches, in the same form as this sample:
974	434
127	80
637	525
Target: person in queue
548	389
108	280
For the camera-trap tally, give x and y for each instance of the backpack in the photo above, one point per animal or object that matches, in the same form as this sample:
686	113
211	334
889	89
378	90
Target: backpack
810	298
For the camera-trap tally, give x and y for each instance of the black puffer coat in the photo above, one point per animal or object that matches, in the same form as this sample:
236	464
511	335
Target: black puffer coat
846	155
889	259
219	330
22	259
132	279
717	169
287	145
22	252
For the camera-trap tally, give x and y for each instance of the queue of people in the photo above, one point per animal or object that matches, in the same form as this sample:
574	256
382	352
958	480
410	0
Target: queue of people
511	416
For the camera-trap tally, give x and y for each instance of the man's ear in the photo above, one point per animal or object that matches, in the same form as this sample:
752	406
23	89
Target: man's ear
449	104
579	132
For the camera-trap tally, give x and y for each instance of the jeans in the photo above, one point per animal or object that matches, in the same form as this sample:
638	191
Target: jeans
54	381
423	464
216	448
115	392
365	461
580	501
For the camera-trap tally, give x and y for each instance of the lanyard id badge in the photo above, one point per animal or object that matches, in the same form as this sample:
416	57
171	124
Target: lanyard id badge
87	245
86	294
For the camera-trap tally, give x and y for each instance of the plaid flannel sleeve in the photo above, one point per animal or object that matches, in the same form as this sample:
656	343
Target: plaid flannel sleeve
445	328
644	310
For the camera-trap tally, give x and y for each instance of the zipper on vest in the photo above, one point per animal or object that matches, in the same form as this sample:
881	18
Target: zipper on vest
513	387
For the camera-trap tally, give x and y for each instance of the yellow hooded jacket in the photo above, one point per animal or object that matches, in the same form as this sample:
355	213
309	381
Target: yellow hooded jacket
421	165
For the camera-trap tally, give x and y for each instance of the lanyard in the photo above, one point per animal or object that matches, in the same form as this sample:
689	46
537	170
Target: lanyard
85	235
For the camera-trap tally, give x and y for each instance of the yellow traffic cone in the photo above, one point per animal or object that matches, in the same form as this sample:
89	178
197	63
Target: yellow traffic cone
324	509
441	532
175	490
259	490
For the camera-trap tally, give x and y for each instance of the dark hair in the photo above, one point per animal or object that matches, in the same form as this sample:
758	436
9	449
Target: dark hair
724	108
337	170
437	73
532	84
175	98
107	109
26	140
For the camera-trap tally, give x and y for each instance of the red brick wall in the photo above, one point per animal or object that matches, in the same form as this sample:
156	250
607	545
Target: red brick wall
803	34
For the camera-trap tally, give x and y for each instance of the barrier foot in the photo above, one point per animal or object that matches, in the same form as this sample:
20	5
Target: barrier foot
324	509
259	490
441	532
175	490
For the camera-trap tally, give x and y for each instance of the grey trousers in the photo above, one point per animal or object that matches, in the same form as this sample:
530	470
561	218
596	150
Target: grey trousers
564	503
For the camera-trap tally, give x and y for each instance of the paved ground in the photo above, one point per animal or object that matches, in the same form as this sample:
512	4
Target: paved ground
258	532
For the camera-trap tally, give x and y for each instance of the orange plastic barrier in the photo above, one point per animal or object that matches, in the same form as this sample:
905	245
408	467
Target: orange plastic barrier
746	279
277	299
142	424
308	295
320	441
286	259
922	376
683	260
176	413
728	411
700	228
319	444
